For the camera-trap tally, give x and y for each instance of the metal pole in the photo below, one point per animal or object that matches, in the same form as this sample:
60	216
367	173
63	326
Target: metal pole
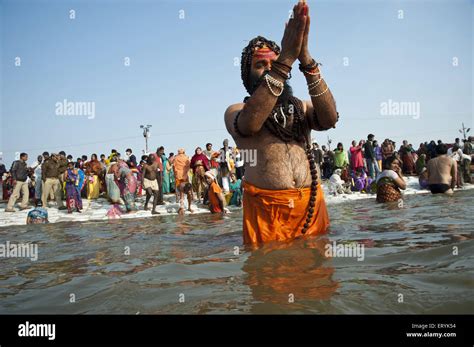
464	131
146	140
146	130
329	143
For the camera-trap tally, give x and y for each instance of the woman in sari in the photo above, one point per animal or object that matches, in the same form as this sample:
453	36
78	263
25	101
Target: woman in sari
166	175
93	172
360	181
137	174
387	150
7	186
390	181
407	158
169	168
378	154
356	156
423	179
103	163
420	163
341	160
236	190
199	165
128	185
140	166
113	190
73	196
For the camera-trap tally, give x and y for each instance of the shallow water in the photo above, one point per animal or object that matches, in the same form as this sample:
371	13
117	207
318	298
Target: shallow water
196	264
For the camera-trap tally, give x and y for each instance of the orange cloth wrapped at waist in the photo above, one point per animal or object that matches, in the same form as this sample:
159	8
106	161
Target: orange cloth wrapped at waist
279	215
178	181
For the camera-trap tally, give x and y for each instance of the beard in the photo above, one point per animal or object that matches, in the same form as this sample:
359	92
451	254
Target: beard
283	99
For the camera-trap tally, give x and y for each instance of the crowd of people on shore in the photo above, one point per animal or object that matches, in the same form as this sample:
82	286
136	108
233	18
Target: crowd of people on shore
372	168
214	177
122	178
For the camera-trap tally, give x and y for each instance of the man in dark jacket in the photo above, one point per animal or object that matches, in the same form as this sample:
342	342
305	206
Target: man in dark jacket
2	171
19	172
62	164
131	159
369	155
62	167
50	176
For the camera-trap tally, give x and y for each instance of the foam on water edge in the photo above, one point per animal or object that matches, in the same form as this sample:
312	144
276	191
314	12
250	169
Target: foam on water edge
96	210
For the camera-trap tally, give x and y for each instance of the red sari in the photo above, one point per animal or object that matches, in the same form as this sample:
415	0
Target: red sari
356	157
408	161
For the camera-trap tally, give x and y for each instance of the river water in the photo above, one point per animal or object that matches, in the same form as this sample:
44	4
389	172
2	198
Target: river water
418	258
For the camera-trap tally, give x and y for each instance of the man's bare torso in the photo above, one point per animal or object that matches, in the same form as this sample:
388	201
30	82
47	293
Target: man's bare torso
150	171
440	170
279	165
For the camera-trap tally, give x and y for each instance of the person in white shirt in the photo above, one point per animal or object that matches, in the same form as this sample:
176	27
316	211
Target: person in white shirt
38	181
213	160
225	159
463	162
457	144
337	185
239	164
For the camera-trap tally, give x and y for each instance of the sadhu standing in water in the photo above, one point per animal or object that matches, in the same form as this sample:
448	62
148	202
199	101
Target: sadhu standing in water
282	198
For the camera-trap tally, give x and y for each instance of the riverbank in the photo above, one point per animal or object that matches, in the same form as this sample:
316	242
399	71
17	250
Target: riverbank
96	210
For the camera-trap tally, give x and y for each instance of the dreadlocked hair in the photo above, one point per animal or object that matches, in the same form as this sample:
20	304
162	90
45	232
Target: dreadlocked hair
292	106
247	54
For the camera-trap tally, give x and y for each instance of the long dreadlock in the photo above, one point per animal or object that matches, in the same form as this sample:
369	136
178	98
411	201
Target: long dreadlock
247	54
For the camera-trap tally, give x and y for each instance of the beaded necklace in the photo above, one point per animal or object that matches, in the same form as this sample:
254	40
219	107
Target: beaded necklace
297	132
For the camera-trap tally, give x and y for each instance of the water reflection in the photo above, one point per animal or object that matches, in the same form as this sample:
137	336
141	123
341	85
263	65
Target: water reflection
282	272
408	248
